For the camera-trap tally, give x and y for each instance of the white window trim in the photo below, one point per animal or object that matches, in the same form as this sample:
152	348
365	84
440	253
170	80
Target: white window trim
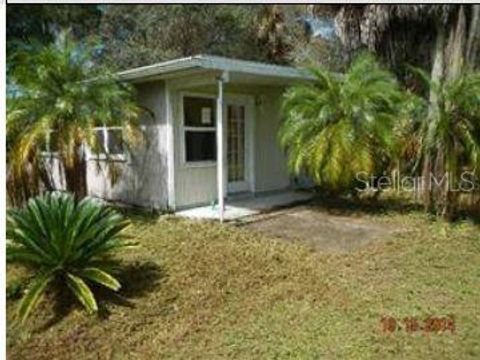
184	129
103	156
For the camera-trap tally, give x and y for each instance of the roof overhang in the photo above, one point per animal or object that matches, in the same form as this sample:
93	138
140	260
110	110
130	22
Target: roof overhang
241	70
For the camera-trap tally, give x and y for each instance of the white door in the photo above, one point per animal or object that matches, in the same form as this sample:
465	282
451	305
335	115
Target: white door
238	143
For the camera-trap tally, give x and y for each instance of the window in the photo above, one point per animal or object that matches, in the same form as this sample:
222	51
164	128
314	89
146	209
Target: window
50	145
114	141
110	140
199	129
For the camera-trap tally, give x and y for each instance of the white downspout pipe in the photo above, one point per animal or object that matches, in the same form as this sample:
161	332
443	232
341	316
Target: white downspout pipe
220	158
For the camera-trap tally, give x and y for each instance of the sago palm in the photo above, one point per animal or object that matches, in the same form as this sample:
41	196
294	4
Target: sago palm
339	126
60	238
58	89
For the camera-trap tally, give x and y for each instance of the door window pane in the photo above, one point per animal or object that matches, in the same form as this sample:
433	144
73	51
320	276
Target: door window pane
236	143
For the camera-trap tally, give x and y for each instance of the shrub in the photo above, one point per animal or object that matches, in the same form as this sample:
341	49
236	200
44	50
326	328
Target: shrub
61	238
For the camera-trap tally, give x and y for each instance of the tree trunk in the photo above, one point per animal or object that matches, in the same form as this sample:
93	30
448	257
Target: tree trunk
76	175
433	111
473	36
455	49
456	57
448	61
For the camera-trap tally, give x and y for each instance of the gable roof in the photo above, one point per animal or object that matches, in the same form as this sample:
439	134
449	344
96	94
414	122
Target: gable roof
209	62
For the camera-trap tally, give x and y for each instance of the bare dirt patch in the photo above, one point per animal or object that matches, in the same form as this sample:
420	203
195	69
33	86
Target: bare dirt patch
321	229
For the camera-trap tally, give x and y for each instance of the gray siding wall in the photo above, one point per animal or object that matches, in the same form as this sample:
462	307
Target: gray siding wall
143	179
270	161
196	185
55	172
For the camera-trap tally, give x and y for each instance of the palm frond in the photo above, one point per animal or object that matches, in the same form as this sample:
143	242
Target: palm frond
70	239
83	293
339	125
100	277
33	295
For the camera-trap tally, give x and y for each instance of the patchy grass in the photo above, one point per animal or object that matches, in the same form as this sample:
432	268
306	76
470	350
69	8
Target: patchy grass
200	290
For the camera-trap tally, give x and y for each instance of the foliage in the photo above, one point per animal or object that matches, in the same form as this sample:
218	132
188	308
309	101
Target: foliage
59	238
406	131
41	22
450	136
58	92
145	34
341	125
134	35
321	46
323	52
279	32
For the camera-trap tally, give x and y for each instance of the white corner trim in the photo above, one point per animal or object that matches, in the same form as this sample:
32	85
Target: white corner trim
253	135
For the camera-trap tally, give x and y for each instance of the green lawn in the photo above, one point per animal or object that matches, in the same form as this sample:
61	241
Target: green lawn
201	290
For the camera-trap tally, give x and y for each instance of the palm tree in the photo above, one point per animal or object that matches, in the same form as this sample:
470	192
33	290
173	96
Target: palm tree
341	125
58	90
450	137
442	39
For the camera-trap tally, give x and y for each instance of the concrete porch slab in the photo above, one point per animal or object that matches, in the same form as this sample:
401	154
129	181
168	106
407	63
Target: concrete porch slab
237	209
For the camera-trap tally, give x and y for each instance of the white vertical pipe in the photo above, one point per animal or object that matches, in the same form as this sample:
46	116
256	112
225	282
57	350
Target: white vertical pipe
220	178
170	147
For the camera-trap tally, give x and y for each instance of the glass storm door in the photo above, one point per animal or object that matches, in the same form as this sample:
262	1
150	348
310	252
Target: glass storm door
236	148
